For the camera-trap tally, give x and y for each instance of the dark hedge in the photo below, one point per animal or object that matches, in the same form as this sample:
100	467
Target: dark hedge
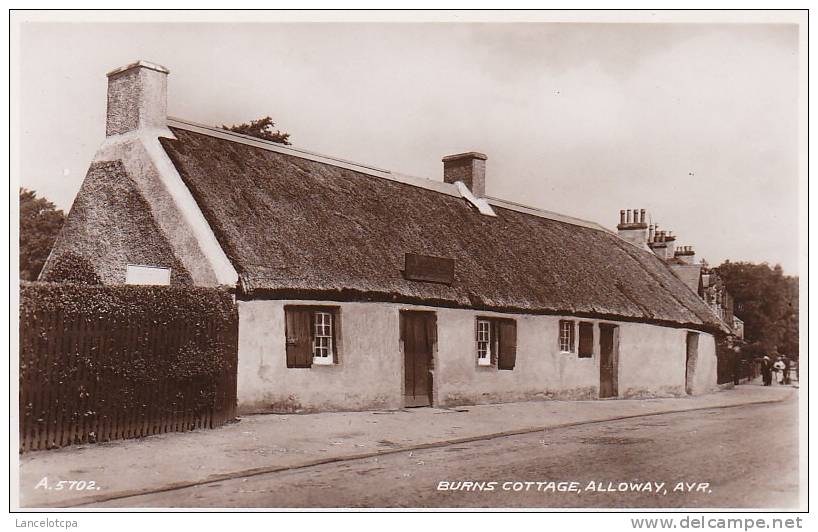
71	268
108	362
159	304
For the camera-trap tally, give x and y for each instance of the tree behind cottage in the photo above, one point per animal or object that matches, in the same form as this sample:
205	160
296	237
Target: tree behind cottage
263	128
40	223
767	301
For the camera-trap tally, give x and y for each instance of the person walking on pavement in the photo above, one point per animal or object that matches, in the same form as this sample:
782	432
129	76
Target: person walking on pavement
786	370
766	371
779	370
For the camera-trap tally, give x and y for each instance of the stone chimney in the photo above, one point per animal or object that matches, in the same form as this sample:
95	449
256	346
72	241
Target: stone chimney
137	98
470	168
663	244
686	254
670	245
633	227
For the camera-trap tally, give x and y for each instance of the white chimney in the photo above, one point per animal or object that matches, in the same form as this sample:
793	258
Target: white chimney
633	228
137	98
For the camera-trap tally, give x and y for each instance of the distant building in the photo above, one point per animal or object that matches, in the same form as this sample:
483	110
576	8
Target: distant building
716	295
699	277
738	328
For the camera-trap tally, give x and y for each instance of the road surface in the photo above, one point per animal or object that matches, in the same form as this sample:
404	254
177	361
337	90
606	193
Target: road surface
725	458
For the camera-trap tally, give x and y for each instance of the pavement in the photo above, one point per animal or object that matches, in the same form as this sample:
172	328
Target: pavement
261	444
721	458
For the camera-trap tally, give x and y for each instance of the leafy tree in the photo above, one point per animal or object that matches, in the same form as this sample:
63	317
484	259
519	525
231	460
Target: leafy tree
767	301
263	128
40	224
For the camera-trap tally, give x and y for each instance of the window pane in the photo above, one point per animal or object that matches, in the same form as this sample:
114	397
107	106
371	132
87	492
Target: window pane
483	340
322	341
483	331
567	336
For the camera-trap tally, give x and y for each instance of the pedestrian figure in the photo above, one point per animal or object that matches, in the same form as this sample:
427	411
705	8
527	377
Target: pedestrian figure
766	371
786	370
779	370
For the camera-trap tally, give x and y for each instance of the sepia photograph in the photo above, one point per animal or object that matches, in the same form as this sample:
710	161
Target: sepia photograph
410	261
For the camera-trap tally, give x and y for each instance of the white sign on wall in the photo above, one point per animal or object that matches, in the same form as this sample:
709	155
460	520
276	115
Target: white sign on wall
149	275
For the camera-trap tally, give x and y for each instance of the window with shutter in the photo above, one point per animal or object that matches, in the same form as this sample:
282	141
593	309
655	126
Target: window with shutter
586	340
496	341
311	336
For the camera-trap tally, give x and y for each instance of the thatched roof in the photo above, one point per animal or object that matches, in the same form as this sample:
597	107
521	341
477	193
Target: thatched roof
111	224
297	227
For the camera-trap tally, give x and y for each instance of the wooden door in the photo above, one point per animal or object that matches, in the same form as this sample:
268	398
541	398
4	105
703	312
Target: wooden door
692	350
608	361
418	334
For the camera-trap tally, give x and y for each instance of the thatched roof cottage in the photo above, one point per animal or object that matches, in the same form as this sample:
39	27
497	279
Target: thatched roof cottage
361	288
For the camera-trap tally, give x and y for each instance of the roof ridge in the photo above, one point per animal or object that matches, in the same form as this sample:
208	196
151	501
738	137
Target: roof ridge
267	144
545	213
420	182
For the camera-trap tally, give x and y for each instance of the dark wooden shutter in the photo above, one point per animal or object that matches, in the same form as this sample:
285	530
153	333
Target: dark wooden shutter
335	323
494	337
298	337
508	344
310	345
586	340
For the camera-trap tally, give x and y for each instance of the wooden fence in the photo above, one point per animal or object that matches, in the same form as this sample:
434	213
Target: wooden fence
90	377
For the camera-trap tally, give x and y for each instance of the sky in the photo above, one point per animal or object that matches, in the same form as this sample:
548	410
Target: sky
696	123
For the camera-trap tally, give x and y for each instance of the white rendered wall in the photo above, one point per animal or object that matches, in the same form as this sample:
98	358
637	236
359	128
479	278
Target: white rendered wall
370	370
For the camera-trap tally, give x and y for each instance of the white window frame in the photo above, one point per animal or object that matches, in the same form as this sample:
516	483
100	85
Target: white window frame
322	338
568	336
484	341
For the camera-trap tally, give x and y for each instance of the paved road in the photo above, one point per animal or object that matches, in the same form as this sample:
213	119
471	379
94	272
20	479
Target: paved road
747	455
